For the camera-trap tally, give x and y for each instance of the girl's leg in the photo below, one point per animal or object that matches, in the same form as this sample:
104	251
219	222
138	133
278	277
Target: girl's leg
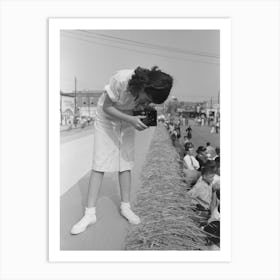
125	184
93	191
95	183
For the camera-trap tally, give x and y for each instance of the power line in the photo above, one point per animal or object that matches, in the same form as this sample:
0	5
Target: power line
91	40
152	46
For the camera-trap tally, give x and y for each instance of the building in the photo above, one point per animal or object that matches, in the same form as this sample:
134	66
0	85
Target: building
81	104
67	105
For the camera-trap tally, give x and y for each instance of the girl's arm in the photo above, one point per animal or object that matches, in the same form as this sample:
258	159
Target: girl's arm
108	107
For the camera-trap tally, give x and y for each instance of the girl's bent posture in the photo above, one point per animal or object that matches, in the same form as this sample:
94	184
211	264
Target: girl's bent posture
114	133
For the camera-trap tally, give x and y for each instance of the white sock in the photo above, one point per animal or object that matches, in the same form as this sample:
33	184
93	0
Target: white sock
90	211
125	204
89	218
129	214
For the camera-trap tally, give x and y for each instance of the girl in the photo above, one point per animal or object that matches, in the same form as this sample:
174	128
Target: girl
190	165
114	133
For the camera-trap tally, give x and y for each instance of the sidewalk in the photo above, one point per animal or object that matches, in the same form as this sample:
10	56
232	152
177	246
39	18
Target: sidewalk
111	228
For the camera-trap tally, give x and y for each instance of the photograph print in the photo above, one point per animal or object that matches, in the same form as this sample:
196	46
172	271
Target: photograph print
140	114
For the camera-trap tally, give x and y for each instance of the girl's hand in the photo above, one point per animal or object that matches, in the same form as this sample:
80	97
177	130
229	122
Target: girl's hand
136	122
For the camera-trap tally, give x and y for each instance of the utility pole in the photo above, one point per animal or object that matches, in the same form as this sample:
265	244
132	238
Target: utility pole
60	108
88	100
75	103
75	110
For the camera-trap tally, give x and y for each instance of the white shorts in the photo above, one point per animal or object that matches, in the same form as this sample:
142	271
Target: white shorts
113	146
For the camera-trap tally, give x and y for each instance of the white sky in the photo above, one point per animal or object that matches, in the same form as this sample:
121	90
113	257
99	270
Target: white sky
190	56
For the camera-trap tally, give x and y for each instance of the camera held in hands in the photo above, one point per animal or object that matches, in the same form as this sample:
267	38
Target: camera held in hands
150	113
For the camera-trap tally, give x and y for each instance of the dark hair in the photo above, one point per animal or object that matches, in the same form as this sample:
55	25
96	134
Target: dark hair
208	144
211	163
217	150
205	170
154	82
217	161
188	146
200	149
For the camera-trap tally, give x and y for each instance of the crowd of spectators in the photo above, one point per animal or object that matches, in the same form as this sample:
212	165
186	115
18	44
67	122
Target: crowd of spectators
201	169
202	177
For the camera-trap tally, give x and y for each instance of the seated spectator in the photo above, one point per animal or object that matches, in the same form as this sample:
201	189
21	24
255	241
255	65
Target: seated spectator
173	135
189	160
213	224
216	180
217	161
190	165
210	151
201	193
171	127
217	151
201	156
178	131
186	140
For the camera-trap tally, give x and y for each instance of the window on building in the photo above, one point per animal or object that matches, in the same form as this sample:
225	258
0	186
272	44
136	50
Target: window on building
84	100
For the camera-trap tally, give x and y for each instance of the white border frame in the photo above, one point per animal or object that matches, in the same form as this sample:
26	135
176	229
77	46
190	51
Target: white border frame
55	25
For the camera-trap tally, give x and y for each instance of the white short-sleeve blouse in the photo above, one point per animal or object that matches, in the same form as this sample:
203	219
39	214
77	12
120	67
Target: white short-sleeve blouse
117	89
114	139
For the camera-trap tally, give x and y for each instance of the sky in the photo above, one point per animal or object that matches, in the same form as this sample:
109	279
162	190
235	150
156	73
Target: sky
191	57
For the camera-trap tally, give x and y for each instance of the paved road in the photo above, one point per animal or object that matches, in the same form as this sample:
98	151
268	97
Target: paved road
201	135
70	135
110	231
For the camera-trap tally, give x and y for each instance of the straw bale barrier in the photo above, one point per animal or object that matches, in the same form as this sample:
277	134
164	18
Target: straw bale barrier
167	220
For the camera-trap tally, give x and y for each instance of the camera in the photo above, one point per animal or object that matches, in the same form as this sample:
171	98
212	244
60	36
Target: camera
150	113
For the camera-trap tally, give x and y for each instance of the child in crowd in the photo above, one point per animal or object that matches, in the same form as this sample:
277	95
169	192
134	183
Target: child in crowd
216	179
173	135
114	133
213	224
190	164
186	140
178	130
201	193
201	156
210	151
217	160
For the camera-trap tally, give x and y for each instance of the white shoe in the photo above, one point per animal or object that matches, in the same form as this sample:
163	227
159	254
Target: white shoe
88	219
129	214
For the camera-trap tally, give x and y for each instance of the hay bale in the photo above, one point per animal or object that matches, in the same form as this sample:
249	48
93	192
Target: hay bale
167	219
